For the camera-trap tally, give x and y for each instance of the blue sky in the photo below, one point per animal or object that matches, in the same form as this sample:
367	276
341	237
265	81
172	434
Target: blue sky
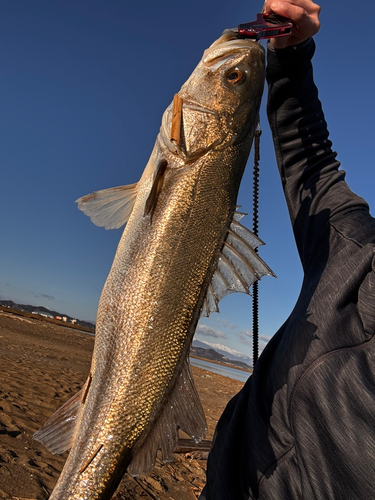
84	84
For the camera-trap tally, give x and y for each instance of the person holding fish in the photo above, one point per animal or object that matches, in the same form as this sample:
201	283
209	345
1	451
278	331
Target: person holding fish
304	424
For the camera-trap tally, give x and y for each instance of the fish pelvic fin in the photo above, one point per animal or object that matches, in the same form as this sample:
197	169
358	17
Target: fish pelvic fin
109	208
238	266
57	433
183	410
156	188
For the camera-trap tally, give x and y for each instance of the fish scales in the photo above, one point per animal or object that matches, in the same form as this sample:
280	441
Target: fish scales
140	385
175	309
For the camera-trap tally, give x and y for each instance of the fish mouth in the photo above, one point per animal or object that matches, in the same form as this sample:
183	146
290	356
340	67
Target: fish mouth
229	44
232	36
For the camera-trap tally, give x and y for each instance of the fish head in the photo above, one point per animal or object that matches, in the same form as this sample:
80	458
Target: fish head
220	100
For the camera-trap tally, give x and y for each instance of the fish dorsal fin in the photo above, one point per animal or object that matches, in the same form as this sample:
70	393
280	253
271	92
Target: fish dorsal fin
58	432
238	265
109	208
184	411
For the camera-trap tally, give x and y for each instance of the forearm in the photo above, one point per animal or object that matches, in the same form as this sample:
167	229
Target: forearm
314	187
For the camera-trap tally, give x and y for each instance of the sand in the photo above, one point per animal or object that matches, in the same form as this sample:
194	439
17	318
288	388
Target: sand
42	366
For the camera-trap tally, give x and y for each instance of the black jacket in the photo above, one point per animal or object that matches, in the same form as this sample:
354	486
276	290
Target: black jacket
303	427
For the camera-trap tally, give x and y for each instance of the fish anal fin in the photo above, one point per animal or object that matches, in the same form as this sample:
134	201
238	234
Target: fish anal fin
183	410
58	432
238	265
109	208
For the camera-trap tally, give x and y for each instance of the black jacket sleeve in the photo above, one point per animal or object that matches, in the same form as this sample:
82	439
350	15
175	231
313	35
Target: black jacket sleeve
314	186
303	426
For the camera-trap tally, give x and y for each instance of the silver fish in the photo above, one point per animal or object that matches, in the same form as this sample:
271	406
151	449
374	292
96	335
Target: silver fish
183	249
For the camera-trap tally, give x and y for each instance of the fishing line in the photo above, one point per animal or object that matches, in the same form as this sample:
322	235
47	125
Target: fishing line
258	133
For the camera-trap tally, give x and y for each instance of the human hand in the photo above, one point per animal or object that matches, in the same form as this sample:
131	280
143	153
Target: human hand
304	15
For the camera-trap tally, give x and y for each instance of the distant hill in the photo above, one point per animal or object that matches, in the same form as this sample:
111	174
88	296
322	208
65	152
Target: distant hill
41	309
212	355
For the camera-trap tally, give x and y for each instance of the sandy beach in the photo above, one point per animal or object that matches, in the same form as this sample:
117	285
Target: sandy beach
42	366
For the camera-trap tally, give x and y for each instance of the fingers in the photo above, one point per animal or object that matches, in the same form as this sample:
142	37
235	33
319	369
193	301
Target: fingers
303	13
275	5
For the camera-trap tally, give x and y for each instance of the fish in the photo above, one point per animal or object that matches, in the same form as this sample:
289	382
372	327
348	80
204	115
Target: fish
182	250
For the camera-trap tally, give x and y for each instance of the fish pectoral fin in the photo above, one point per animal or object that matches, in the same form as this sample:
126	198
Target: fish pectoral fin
238	266
58	432
156	188
183	410
109	208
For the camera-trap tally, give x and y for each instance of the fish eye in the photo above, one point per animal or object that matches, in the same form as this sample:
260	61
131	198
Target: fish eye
235	77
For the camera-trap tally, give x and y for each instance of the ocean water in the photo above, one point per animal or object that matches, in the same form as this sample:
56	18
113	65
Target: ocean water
225	371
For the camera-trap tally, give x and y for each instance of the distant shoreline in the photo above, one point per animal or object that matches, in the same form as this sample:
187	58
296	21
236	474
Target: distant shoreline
39	317
88	330
223	364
